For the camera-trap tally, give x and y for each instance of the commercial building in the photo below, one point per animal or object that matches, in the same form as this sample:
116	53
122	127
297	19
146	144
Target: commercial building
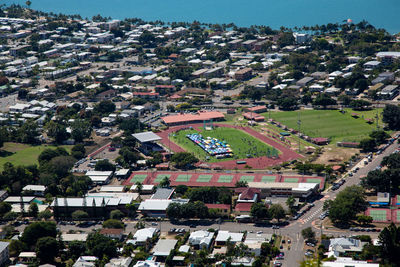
300	190
243	74
4	253
189	118
147	142
100	177
158	207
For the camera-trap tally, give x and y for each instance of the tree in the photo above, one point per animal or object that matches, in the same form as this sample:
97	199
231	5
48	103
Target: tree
80	130
113	224
104	165
46	214
390	244
33	210
276	211
184	160
379	136
368	144
147	38
37	230
241	184
391	116
285	39
16	247
174	211
392	161
259	211
359	104
324	100
4	208
99	245
57	131
364	219
79	215
28	133
104	107
308	233
290	201
46	249
347	205
9	216
165	182
116	214
76	249
61	165
78	151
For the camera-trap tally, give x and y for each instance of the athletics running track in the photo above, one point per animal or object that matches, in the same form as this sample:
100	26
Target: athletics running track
255	163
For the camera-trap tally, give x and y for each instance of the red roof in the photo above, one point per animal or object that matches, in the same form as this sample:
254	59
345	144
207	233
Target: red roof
200	116
257	108
249	193
320	139
219	206
108	231
243	206
336	167
253	116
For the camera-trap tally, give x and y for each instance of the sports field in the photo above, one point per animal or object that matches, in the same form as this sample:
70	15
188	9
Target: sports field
329	123
242	144
22	154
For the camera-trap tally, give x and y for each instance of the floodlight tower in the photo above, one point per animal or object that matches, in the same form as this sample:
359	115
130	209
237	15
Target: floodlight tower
299	124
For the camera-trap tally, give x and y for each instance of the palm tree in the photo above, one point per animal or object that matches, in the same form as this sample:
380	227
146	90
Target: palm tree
139	188
28	3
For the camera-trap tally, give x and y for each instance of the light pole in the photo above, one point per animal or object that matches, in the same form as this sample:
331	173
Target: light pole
299	124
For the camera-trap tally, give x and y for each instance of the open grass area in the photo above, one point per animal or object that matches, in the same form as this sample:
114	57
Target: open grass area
22	154
330	123
242	144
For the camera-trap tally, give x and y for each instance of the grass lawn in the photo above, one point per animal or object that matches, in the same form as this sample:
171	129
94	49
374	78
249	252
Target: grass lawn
329	123
22	154
241	143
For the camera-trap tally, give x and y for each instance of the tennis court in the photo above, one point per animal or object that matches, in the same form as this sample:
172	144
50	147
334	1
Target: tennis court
268	179
378	215
311	180
225	178
247	178
138	178
160	177
291	180
183	178
204	178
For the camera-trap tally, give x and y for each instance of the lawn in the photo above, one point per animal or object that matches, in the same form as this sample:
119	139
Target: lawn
22	154
329	123
242	144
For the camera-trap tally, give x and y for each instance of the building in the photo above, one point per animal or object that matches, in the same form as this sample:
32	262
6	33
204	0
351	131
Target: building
348	262
342	245
100	177
300	190
112	233
36	190
4	253
143	236
188	118
253	116
301	38
388	57
389	92
164	247
223	209
163	193
157	207
74	237
120	262
85	261
257	109
224	236
304	81
147	142
201	239
147	263
243	74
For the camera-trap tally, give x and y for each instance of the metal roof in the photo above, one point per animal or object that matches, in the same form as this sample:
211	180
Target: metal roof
146	137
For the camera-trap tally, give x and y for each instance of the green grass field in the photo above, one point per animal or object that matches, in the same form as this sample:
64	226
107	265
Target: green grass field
241	143
22	154
329	123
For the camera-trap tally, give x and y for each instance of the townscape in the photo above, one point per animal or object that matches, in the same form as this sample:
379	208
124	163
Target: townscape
133	143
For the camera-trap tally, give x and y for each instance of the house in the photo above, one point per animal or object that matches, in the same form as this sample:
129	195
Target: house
320	141
142	236
112	233
389	92
243	74
85	261
348	262
224	236
254	241
73	237
147	263
342	245
120	262
4	253
304	81
201	239
243	261
243	208
164	247
373	64
387	58
36	190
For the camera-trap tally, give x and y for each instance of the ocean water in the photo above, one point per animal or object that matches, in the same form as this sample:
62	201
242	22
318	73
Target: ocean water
273	13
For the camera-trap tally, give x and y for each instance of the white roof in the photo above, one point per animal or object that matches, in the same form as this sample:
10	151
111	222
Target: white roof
144	234
147	263
146	137
223	236
31	187
98	178
15	199
342	261
122	172
99	173
202	238
74	237
164	247
154	204
112	188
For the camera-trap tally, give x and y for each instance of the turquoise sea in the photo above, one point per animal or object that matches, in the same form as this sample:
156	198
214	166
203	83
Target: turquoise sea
273	13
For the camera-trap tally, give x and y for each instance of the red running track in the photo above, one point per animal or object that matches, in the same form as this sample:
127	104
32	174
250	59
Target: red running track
256	163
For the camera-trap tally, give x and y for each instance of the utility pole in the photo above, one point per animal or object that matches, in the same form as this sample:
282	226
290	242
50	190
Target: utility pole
299	124
377	119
